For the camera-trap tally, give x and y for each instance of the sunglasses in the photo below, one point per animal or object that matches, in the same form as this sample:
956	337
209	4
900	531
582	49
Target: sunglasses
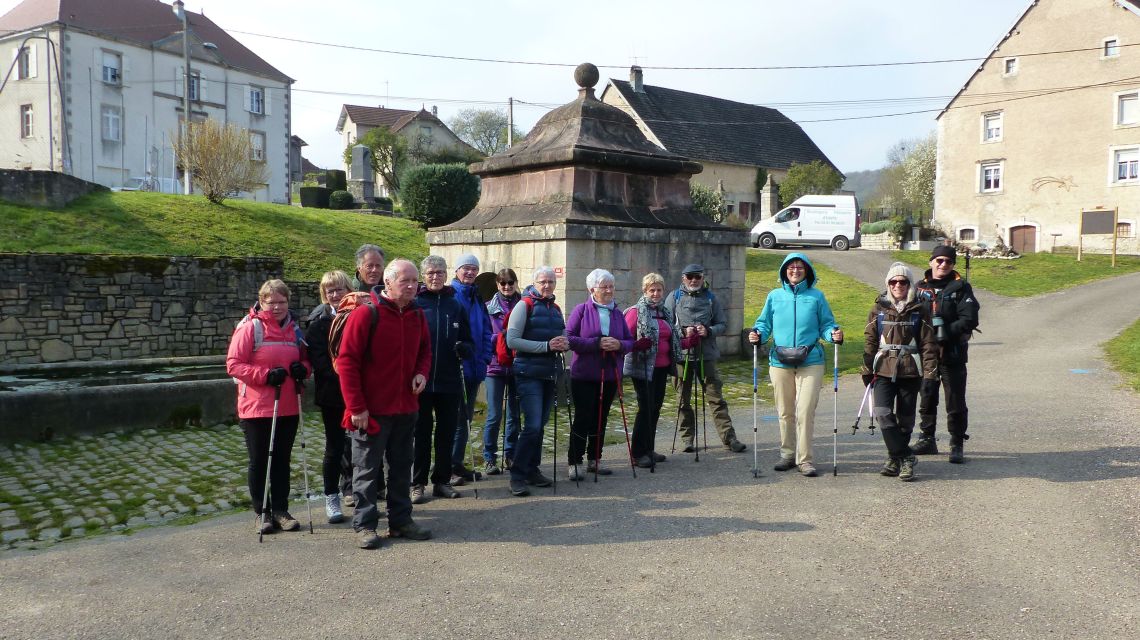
943	261
694	276
507	283
899	283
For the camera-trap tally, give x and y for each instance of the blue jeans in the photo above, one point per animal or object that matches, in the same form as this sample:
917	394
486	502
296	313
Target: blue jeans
459	448
536	398
496	386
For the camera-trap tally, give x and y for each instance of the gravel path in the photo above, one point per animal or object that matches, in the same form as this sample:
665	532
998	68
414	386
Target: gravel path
1037	535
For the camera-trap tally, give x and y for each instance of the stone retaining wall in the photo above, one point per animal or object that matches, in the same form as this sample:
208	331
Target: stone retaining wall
56	308
878	242
43	188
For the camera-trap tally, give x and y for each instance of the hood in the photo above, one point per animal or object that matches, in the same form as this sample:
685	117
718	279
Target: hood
265	315
500	303
809	277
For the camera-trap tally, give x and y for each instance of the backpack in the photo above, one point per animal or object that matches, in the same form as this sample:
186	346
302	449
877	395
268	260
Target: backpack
259	335
347	304
504	354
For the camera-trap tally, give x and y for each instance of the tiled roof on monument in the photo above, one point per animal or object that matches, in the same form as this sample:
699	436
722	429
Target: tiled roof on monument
714	129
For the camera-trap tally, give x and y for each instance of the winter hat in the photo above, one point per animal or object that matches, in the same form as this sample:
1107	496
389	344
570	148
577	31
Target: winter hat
900	270
465	260
943	251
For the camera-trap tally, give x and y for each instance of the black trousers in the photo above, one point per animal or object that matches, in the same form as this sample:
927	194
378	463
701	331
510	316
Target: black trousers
337	465
893	406
650	396
953	381
584	430
257	432
446	407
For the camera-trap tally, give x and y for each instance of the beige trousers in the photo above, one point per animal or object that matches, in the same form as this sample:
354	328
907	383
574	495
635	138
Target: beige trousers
797	394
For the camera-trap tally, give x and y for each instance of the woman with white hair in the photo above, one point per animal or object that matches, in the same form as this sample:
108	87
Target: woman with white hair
899	351
599	338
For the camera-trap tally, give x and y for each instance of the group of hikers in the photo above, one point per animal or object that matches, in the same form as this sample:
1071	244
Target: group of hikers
397	354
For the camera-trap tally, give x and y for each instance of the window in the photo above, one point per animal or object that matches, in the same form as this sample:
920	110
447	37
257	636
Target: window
257	146
195	86
967	235
1009	67
1127	108
26	121
112	119
991	127
26	63
112	68
991	177
1111	48
1123	229
1126	163
257	100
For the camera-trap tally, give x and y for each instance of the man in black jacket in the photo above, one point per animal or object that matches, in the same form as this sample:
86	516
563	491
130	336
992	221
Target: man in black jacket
954	311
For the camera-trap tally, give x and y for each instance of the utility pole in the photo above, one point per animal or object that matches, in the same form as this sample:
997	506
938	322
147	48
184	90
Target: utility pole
510	122
180	11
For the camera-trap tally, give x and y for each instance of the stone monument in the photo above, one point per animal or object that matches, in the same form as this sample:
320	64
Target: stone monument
360	183
587	189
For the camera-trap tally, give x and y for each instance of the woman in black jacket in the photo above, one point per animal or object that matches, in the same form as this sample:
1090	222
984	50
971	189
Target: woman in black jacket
337	466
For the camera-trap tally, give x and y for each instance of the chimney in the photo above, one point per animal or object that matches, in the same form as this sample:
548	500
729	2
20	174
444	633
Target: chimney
635	79
435	111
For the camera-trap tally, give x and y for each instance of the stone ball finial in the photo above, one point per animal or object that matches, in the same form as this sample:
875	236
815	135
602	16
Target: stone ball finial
586	75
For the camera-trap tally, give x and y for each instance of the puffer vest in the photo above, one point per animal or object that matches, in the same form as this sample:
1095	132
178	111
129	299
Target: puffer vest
544	322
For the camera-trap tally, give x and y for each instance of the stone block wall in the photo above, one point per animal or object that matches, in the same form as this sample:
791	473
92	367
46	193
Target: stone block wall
878	242
57	308
43	188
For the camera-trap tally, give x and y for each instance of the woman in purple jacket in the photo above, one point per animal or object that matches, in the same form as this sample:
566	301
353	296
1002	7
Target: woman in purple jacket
599	338
501	380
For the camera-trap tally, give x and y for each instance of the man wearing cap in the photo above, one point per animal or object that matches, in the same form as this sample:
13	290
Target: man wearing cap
696	311
954	314
475	367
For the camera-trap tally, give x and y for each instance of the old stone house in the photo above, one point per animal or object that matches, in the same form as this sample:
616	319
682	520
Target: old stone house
1047	126
732	140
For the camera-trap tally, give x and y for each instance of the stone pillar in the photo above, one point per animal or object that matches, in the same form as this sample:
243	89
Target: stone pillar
769	198
360	183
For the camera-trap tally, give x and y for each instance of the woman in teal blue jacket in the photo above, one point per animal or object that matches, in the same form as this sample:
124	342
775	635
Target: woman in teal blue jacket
796	317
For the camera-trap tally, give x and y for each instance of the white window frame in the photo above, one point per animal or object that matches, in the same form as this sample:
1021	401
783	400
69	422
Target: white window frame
1104	44
257	141
257	100
27	121
1114	169
991	164
1117	113
1131	227
115	77
971	228
1006	72
195	86
110	123
1000	116
27	66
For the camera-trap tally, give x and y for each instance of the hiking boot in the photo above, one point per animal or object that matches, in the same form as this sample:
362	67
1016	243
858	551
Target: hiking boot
906	469
689	446
594	468
507	464
367	539
518	488
808	470
492	469
332	508
645	462
785	464
409	530
735	446
891	468
957	455
263	525
466	474
285	522
457	480
657	457
418	494
539	480
347	500
575	473
444	491
924	446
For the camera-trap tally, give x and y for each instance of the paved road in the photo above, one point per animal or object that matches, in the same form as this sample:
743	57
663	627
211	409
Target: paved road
1037	535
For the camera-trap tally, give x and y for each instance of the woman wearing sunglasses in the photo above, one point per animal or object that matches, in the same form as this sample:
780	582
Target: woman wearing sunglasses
899	351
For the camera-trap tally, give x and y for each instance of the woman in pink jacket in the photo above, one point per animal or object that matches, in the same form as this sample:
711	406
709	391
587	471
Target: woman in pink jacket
267	350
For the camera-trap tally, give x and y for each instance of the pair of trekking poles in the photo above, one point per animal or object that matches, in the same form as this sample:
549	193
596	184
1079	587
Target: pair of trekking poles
300	385
600	434
698	396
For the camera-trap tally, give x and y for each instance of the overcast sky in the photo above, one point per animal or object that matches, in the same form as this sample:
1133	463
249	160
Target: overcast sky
611	34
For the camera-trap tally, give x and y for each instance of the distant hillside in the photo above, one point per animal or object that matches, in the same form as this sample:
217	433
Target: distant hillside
863	183
310	241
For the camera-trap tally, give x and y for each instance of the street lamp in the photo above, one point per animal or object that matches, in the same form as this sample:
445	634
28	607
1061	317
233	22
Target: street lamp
180	12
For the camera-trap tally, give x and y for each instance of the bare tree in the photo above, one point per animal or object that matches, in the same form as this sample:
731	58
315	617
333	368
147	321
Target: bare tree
221	159
484	129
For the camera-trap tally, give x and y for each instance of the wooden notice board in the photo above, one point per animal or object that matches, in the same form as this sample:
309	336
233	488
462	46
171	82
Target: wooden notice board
1097	222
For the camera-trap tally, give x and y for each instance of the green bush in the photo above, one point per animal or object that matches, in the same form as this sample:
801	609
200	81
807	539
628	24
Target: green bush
384	203
898	226
872	228
336	179
315	197
707	201
437	194
341	200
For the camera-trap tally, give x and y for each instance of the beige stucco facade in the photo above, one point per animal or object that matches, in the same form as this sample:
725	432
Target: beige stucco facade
1032	140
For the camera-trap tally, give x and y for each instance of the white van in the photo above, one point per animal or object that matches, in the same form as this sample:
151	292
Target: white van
812	220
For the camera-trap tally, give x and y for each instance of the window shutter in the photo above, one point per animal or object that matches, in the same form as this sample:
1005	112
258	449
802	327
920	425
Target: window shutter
124	68
1129	109
179	86
33	70
265	101
248	98
202	87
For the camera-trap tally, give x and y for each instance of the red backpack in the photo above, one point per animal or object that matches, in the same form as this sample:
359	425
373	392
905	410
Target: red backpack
348	303
504	354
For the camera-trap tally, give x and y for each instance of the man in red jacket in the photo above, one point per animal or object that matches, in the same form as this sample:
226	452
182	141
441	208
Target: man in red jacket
383	367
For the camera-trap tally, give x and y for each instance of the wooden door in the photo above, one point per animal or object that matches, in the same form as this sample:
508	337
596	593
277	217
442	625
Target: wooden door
1023	239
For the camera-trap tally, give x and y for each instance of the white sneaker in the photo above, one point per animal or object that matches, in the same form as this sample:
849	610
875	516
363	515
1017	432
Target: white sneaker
332	508
576	472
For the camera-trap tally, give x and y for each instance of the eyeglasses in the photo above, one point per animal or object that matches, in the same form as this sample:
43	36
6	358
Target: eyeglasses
694	276
545	283
941	261
269	303
435	274
899	283
796	266
604	287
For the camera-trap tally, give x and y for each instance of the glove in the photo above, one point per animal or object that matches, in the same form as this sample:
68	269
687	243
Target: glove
642	344
276	376
867	378
298	372
463	350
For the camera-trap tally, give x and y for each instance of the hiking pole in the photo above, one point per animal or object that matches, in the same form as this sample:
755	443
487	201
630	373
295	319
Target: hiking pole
598	437
755	396
680	393
625	424
467	417
269	462
859	415
304	458
835	416
704	400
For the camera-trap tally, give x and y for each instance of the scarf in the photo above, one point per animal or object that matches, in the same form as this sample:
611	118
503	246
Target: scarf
647	315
